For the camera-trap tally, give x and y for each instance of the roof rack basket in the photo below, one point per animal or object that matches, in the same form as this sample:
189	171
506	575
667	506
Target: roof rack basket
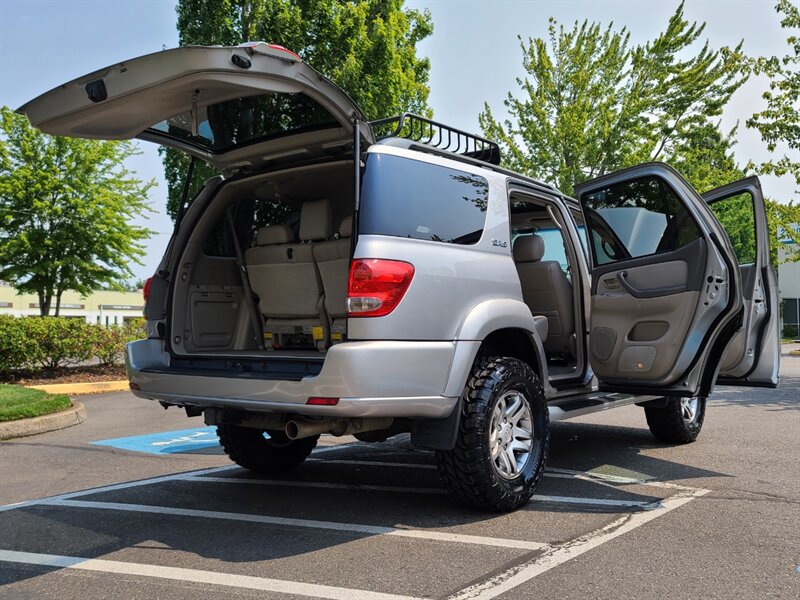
437	135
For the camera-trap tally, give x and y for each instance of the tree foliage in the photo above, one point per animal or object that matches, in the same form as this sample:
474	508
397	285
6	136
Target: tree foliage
368	47
65	211
592	102
779	122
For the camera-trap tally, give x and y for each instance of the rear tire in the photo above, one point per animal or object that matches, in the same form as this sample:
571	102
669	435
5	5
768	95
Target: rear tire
503	437
677	422
249	448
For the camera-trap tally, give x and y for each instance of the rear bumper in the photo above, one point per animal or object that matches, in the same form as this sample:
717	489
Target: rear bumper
371	379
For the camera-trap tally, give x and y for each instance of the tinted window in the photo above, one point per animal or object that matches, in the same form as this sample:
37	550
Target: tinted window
242	121
553	245
791	311
412	199
636	218
249	216
736	215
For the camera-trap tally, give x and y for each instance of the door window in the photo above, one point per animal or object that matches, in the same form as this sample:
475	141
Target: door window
636	218
736	214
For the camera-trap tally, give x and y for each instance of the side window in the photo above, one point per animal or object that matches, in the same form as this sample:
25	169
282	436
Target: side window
553	245
578	218
736	214
412	199
249	216
636	218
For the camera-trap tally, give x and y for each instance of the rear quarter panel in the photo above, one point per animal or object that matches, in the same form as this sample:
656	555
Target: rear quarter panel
449	279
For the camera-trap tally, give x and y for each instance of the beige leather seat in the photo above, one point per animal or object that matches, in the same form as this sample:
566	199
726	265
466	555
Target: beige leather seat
333	262
284	276
547	291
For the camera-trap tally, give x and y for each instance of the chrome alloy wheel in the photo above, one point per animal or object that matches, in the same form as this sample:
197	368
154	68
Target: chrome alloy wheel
511	434
689	408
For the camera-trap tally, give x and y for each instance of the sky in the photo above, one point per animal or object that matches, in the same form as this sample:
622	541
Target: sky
474	53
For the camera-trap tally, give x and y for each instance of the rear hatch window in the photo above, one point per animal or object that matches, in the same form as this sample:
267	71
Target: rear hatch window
412	199
242	121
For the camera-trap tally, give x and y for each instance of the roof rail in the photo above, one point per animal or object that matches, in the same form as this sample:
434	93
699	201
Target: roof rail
437	135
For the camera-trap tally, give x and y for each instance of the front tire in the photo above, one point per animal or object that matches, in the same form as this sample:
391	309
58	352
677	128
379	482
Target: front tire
679	421
249	448
503	437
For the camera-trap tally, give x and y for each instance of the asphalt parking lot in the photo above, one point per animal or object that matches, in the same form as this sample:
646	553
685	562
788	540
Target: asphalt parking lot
618	514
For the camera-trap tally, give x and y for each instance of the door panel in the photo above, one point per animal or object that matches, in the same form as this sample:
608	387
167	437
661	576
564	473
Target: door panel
752	356
648	307
664	283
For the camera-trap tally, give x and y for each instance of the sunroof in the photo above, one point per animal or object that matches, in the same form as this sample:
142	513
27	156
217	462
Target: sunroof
241	121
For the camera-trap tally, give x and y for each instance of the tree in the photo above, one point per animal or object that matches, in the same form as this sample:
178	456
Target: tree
593	103
779	122
65	207
368	47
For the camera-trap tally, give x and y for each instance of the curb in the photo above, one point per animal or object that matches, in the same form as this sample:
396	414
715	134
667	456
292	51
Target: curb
75	389
24	427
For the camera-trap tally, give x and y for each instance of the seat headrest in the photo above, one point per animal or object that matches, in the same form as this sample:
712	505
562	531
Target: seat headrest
315	220
346	227
528	248
274	234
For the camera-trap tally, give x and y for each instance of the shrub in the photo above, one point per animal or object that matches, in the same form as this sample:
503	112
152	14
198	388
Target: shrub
107	343
17	350
791	332
52	342
61	341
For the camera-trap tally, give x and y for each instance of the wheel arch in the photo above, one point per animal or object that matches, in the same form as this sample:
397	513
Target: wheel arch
514	342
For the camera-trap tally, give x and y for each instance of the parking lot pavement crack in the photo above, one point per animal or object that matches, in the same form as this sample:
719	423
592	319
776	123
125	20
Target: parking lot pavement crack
556	555
513	565
750	496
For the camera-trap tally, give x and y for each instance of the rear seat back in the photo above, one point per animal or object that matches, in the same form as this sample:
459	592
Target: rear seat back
333	262
283	274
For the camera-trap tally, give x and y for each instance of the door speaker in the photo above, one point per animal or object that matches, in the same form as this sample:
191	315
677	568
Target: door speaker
603	340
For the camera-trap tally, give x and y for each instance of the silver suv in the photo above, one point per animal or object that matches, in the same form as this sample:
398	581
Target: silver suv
347	277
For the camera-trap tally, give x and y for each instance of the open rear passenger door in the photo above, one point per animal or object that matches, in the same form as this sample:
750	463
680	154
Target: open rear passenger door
752	357
666	292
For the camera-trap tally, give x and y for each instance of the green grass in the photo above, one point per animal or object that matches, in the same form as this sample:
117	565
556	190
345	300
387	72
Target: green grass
17	402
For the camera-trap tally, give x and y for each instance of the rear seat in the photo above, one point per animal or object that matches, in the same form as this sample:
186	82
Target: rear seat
333	262
284	276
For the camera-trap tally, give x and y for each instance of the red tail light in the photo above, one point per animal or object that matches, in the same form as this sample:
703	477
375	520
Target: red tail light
321	401
375	286
146	288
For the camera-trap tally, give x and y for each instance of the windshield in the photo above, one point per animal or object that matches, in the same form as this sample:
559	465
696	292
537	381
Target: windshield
241	121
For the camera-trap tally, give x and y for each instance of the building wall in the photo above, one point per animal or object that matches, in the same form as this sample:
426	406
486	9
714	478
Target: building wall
105	307
789	284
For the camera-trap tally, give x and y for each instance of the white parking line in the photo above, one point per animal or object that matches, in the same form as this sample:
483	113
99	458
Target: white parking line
118	486
406	490
320	484
557	555
371	463
195	576
149	481
357	528
592	501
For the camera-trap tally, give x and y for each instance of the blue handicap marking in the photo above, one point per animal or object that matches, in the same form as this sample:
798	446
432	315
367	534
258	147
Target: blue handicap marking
166	442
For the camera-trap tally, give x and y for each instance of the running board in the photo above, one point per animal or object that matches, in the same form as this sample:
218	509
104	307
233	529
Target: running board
577	406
